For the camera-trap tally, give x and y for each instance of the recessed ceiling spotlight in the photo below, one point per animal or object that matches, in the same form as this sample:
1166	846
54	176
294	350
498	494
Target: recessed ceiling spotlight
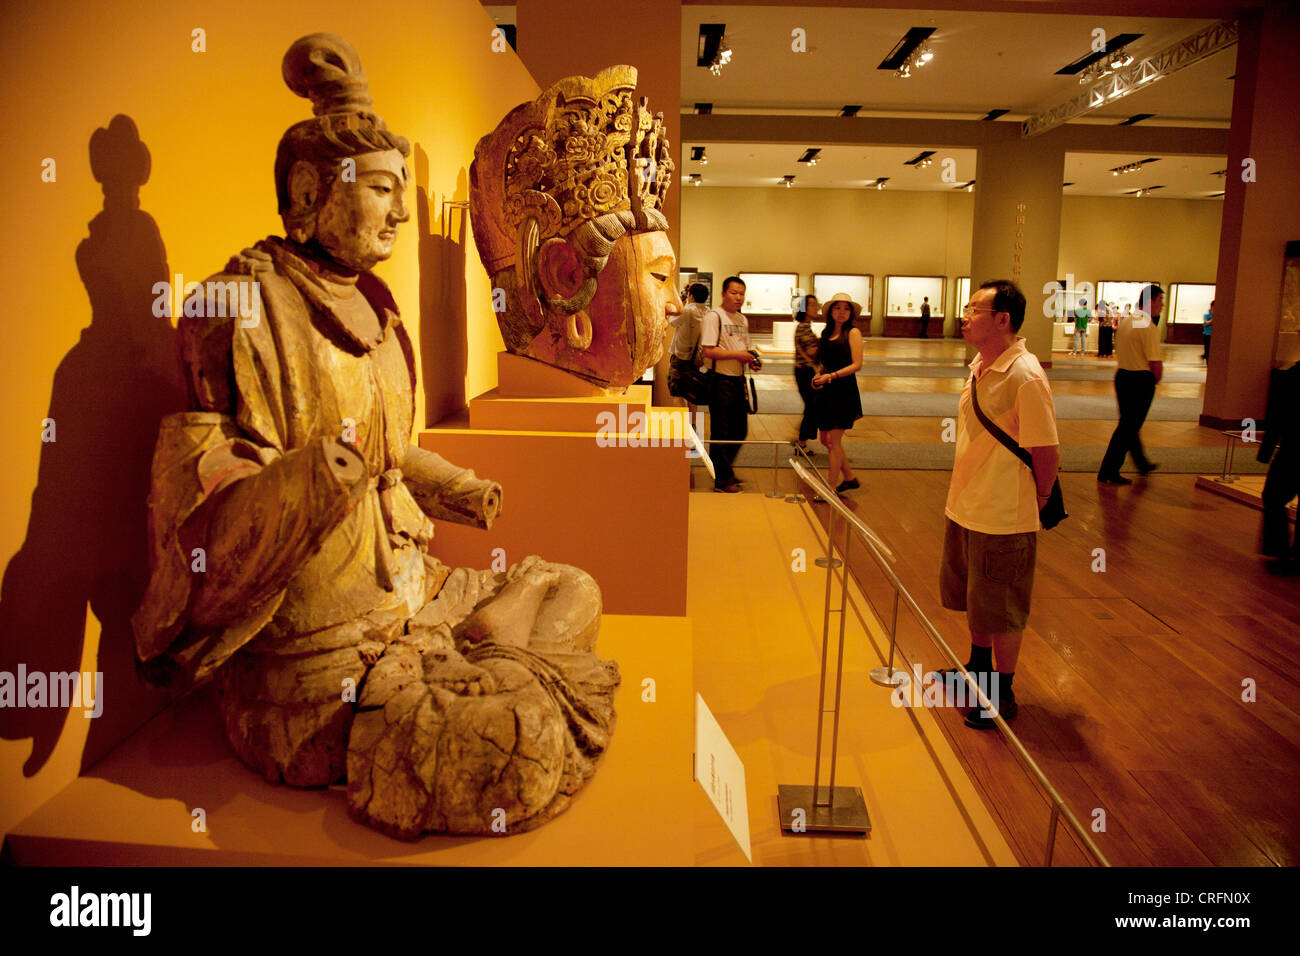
787	181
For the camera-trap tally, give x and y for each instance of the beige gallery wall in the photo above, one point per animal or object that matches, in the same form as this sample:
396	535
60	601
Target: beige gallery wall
84	346
728	230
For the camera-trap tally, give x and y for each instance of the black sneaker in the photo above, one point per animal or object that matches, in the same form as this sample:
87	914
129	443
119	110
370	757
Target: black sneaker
1151	466
848	485
1114	480
954	683
1006	707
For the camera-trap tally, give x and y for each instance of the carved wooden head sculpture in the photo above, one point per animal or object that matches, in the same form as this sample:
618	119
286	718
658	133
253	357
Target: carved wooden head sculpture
566	196
322	164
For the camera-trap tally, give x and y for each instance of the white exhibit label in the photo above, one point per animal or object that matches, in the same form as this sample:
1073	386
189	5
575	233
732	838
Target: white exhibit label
719	771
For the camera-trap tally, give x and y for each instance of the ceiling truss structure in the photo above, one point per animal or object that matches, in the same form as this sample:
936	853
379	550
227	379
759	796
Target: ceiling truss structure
1170	60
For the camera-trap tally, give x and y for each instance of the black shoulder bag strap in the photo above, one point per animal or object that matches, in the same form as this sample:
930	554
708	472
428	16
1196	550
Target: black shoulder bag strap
1052	513
715	345
751	393
1012	445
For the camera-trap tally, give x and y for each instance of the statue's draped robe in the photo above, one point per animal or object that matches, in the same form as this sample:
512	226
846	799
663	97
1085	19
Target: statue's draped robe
289	523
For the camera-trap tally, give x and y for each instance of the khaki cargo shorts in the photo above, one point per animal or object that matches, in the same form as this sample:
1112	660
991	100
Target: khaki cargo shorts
989	576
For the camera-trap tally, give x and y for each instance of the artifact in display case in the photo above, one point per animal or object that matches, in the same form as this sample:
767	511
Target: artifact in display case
769	293
858	287
290	526
904	296
566	198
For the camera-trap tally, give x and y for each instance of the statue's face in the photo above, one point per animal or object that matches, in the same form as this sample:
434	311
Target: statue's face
628	315
357	225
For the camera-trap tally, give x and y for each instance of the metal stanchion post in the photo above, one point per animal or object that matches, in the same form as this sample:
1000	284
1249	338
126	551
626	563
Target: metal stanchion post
801	809
886	676
795	498
829	561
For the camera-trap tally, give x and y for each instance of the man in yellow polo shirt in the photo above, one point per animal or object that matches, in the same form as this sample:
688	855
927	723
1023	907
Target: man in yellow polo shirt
990	541
1141	366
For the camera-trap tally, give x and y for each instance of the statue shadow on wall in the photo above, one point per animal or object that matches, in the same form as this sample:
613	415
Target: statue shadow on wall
86	541
444	343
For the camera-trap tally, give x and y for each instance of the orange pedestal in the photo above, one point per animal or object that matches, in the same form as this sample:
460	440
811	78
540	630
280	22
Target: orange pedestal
599	482
139	805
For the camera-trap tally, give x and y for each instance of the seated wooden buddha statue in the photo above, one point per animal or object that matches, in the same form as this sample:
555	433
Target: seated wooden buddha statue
290	525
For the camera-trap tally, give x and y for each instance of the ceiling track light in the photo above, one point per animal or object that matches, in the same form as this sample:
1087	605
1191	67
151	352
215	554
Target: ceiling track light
1131	167
918	58
721	58
787	181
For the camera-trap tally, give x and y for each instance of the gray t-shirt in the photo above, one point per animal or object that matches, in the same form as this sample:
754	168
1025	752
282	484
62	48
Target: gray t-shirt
725	330
687	326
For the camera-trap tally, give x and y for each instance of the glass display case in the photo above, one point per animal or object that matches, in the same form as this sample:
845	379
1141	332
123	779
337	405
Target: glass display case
1121	292
963	295
903	298
1186	304
686	276
827	284
769	293
959	303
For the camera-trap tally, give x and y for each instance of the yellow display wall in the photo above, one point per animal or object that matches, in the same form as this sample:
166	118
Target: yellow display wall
83	345
1169	240
729	230
726	230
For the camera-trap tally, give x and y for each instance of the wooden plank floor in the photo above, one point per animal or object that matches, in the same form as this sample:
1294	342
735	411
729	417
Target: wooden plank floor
1130	680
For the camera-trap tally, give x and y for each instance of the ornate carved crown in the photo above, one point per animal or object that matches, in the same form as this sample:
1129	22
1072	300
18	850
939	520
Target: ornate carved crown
566	158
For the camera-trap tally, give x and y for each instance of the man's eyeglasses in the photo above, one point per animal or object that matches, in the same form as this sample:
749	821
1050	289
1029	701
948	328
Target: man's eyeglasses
968	309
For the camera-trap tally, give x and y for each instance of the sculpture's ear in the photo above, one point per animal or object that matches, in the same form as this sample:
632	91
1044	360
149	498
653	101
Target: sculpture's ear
304	193
559	270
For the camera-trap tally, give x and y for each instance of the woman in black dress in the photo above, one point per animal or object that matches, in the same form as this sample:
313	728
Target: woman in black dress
838	404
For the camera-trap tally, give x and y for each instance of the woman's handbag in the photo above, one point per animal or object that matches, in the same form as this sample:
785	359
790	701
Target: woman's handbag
1050	514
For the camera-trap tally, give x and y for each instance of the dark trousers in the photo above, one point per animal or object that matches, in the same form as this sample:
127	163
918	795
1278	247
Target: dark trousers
1105	340
1205	353
808	424
1281	485
925	324
1134	391
728	421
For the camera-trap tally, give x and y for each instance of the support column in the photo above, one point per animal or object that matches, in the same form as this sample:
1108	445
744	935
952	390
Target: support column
1017	225
1258	216
559	38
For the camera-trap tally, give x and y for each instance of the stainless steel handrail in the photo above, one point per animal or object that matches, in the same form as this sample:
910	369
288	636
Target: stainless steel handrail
1059	807
832	499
